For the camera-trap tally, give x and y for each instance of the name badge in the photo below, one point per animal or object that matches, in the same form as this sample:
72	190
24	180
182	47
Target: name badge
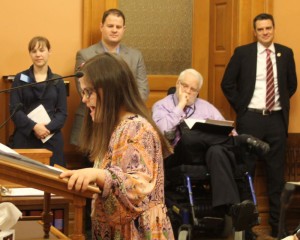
25	78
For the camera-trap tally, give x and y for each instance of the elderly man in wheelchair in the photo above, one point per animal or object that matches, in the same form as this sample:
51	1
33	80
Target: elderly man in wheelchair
218	151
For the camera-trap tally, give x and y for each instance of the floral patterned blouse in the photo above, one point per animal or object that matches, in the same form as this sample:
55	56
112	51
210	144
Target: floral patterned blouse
132	204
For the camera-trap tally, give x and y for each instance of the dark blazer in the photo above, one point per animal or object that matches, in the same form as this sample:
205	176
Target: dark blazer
53	97
238	82
135	61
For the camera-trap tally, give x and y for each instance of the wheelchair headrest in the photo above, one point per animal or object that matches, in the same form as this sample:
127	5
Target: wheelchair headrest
171	90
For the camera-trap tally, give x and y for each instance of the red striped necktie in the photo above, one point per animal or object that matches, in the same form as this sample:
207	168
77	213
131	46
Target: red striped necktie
270	92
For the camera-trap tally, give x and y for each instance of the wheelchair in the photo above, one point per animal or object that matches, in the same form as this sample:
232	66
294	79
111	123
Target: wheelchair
189	200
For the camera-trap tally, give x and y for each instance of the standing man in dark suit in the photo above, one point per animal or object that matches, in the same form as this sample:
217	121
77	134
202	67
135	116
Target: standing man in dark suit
263	111
112	28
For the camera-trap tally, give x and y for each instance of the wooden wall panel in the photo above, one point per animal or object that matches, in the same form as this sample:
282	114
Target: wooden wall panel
200	42
221	102
7	128
159	84
244	13
220	51
92	16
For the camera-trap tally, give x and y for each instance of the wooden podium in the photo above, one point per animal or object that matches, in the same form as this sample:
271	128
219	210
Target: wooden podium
22	170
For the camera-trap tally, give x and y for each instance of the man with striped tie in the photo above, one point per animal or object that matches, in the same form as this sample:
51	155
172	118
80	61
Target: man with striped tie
258	82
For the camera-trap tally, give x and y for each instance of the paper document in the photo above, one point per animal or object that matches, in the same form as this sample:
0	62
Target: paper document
191	121
7	149
40	115
210	125
295	183
21	192
27	162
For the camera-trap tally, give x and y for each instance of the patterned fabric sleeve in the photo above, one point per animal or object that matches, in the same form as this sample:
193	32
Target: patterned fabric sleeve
132	163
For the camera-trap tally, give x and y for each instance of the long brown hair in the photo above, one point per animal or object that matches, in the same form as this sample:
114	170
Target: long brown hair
111	75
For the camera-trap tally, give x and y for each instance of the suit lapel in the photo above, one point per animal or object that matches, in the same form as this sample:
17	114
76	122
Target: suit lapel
99	48
279	58
253	62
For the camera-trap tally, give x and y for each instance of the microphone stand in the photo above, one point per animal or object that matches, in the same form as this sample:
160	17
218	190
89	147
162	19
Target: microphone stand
20	105
77	75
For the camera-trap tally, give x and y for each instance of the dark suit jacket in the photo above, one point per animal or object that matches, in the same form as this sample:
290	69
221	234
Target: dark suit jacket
54	99
238	82
135	61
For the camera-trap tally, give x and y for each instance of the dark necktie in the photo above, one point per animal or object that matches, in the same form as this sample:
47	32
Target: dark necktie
187	110
270	93
182	127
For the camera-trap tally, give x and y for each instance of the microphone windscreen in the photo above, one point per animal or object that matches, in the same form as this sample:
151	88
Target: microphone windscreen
79	74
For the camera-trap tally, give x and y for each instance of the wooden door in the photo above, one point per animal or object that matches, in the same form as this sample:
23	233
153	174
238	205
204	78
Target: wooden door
221	14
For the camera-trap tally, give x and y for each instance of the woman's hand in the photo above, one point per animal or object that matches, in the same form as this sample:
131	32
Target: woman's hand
40	130
80	179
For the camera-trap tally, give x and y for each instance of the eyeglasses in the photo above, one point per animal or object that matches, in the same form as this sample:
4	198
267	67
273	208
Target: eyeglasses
186	87
87	93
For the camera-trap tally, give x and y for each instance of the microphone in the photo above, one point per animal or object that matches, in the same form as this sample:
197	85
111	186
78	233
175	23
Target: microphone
16	108
77	75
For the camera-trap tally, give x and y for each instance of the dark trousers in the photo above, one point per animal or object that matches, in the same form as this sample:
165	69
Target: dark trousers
221	164
218	153
270	129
